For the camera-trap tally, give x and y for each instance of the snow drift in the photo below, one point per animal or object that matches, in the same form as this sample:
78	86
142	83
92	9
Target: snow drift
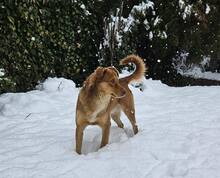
179	135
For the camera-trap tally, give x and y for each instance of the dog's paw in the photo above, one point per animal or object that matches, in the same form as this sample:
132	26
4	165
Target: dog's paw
135	129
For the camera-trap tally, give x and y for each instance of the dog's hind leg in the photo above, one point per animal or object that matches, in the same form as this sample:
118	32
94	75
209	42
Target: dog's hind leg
130	113
116	117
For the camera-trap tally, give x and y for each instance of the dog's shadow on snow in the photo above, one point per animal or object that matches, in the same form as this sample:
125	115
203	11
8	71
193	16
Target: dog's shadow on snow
92	137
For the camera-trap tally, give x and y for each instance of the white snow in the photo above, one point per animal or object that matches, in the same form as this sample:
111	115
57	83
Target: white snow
146	23
179	131
157	20
181	4
207	10
82	6
162	35
194	70
151	35
141	8
2	73
187	9
127	23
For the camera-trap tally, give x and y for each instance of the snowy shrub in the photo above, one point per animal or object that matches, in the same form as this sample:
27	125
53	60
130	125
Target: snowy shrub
183	67
158	30
40	39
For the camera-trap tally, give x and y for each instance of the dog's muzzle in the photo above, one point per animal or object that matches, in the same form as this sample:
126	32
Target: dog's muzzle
118	97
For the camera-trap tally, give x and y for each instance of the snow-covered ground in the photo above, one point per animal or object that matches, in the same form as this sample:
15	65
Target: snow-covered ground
197	73
179	135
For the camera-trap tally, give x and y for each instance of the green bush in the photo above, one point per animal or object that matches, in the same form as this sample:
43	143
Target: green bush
60	38
40	39
191	27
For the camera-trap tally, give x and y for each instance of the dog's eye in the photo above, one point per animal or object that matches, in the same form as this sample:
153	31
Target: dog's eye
112	82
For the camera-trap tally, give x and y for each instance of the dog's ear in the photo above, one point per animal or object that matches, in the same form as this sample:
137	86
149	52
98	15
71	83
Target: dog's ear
88	83
100	73
93	79
114	70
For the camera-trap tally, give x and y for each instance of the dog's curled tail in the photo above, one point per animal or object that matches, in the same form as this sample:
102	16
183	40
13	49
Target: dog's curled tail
140	67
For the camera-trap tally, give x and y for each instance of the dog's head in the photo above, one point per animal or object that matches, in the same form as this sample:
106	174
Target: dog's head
105	81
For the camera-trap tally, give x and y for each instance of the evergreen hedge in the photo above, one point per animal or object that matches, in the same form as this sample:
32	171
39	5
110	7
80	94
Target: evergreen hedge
45	38
65	38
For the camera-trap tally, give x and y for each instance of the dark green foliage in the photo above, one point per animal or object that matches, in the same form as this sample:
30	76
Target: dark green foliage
59	38
41	39
196	33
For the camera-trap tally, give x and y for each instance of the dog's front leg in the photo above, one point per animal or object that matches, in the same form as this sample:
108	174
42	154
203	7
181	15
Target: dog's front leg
79	138
105	132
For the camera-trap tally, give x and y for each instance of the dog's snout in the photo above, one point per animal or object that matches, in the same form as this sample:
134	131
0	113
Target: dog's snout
120	92
123	92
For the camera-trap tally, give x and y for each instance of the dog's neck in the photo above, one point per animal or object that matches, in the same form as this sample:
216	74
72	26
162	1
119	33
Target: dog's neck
95	102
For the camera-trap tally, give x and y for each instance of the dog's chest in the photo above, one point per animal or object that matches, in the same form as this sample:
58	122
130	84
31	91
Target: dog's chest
101	107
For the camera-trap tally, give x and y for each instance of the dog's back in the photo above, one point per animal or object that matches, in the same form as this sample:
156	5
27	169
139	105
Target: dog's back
126	104
102	95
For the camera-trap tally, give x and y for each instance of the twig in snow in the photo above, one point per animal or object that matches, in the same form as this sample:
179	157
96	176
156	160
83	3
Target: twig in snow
59	86
27	116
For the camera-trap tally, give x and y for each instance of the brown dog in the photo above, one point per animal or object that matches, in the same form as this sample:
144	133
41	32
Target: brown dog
103	96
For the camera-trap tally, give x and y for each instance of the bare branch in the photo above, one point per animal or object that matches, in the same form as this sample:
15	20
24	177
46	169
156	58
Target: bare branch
112	27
